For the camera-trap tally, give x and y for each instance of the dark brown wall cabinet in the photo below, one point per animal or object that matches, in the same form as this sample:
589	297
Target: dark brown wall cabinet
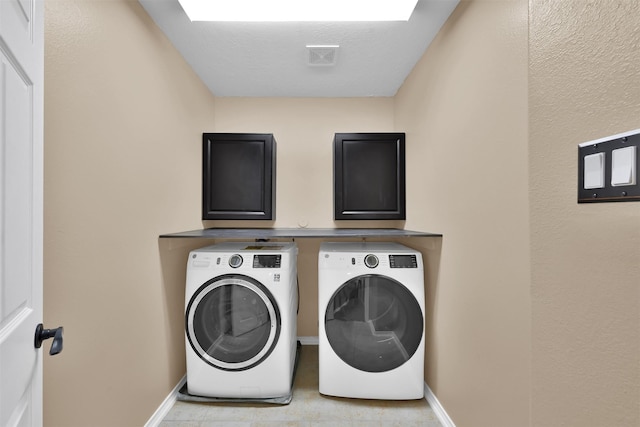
369	176
238	176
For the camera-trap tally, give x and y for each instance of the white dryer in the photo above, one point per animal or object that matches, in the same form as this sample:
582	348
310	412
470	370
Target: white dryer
371	321
240	320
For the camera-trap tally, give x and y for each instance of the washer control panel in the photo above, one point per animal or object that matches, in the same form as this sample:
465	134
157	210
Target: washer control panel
267	261
403	261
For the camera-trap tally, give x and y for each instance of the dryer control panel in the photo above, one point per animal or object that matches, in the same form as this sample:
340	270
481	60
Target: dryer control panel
369	257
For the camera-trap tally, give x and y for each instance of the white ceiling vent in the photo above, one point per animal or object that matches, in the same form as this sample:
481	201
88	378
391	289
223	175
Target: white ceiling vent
322	55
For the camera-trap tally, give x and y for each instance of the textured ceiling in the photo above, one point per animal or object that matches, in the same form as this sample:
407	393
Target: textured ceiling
270	59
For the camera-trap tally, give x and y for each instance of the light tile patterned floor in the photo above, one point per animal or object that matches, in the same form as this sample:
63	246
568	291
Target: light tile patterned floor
308	408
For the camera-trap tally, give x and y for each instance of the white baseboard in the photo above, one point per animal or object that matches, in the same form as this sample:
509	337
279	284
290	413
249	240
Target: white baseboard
437	407
166	405
308	340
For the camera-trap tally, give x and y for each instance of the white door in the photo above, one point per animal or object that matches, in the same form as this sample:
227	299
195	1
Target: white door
21	175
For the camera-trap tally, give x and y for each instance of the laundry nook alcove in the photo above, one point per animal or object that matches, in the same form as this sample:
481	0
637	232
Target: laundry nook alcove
178	249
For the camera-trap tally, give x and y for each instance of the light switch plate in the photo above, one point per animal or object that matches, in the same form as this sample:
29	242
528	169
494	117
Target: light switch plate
607	169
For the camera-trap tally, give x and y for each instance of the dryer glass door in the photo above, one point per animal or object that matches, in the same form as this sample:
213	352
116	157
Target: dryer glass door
374	323
232	322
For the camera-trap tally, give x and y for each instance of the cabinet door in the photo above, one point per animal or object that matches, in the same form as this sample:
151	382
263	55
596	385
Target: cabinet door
238	176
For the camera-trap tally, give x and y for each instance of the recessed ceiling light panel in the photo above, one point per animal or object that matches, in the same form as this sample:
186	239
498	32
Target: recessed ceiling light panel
298	10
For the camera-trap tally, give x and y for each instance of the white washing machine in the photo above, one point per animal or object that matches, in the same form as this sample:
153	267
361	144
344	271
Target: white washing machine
371	321
240	320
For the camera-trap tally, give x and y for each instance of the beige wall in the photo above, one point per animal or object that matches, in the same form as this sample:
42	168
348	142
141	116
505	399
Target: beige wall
584	84
519	330
123	118
464	108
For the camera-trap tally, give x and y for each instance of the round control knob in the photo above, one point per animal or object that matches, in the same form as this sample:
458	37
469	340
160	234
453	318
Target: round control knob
235	261
371	261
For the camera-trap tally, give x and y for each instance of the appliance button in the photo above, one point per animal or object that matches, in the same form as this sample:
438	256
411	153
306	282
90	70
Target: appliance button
235	261
371	261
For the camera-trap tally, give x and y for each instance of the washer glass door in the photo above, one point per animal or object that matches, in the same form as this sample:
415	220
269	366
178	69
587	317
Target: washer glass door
232	322
374	323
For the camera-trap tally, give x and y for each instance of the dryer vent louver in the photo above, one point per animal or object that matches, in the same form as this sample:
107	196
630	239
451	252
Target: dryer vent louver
322	55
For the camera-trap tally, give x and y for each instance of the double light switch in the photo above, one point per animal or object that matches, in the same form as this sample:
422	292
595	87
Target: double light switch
623	168
608	169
